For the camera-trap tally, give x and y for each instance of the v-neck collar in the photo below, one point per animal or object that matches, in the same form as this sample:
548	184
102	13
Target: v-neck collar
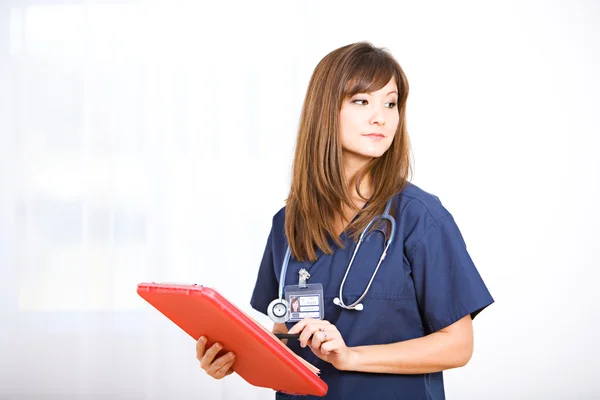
343	235
321	256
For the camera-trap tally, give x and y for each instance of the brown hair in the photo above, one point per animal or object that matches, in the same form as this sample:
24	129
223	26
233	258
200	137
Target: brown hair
318	189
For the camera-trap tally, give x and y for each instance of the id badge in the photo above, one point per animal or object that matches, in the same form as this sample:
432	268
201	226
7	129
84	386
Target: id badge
305	301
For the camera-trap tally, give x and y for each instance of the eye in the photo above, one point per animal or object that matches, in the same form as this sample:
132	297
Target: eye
360	102
391	104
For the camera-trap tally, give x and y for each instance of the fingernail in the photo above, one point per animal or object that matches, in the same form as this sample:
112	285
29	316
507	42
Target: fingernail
218	345
202	339
231	355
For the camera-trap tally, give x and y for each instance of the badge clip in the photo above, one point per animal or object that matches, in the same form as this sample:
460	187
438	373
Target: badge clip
303	276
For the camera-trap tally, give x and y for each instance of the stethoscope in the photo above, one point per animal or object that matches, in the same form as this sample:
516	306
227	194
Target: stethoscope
279	308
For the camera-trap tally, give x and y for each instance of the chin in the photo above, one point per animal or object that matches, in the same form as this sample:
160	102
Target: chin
365	155
374	153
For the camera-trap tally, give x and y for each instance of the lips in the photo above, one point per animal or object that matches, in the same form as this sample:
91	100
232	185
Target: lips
375	135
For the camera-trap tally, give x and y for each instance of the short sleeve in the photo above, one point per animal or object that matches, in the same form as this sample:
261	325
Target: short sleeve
447	283
266	286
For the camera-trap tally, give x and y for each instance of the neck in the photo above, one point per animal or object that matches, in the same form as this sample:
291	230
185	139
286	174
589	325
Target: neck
351	169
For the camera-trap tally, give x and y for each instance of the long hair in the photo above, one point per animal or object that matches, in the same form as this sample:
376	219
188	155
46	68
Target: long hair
318	190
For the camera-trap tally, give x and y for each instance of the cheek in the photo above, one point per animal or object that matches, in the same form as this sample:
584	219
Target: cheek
392	126
345	138
394	121
349	129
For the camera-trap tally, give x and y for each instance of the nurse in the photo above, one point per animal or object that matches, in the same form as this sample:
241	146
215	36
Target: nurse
388	329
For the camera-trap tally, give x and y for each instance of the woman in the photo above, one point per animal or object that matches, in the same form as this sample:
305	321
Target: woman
295	304
351	165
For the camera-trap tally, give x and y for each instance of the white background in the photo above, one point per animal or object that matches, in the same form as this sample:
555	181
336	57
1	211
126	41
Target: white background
153	142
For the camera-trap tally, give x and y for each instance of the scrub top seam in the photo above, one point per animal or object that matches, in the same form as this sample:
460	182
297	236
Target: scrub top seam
414	198
435	224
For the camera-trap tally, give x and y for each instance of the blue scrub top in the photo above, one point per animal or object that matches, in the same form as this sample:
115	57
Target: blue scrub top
427	282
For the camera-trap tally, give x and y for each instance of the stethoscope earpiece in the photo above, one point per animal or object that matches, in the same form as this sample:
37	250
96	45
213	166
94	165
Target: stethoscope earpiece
358	307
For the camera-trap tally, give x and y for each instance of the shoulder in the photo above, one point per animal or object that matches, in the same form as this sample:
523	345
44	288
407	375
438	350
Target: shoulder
278	227
279	218
415	201
418	211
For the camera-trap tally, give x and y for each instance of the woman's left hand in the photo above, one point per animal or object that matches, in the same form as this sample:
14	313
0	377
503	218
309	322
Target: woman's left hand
324	340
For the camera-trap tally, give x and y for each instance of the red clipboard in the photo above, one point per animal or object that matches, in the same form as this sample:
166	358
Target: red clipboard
261	359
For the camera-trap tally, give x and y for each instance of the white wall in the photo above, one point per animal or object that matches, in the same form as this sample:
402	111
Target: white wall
141	142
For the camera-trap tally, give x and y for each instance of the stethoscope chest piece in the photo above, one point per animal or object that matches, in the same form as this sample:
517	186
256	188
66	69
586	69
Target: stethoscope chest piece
279	310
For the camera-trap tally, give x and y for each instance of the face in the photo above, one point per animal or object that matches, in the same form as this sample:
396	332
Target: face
368	123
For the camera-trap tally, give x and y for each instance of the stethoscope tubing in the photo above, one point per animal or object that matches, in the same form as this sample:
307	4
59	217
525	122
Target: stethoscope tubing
339	301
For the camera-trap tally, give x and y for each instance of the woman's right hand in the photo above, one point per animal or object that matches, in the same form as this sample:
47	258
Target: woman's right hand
217	368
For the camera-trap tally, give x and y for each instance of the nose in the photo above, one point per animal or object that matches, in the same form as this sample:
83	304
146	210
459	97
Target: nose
378	116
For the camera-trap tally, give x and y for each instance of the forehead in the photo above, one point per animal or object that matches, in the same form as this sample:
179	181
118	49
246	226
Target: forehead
375	82
390	86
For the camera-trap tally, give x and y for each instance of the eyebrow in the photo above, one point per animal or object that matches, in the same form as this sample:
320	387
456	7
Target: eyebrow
370	94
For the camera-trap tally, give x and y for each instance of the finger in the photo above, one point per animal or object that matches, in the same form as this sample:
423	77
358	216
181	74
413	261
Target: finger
299	326
332	346
319	337
200	347
225	369
314	326
308	332
314	341
209	355
220	363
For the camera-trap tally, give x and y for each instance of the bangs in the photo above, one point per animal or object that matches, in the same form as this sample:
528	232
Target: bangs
372	72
